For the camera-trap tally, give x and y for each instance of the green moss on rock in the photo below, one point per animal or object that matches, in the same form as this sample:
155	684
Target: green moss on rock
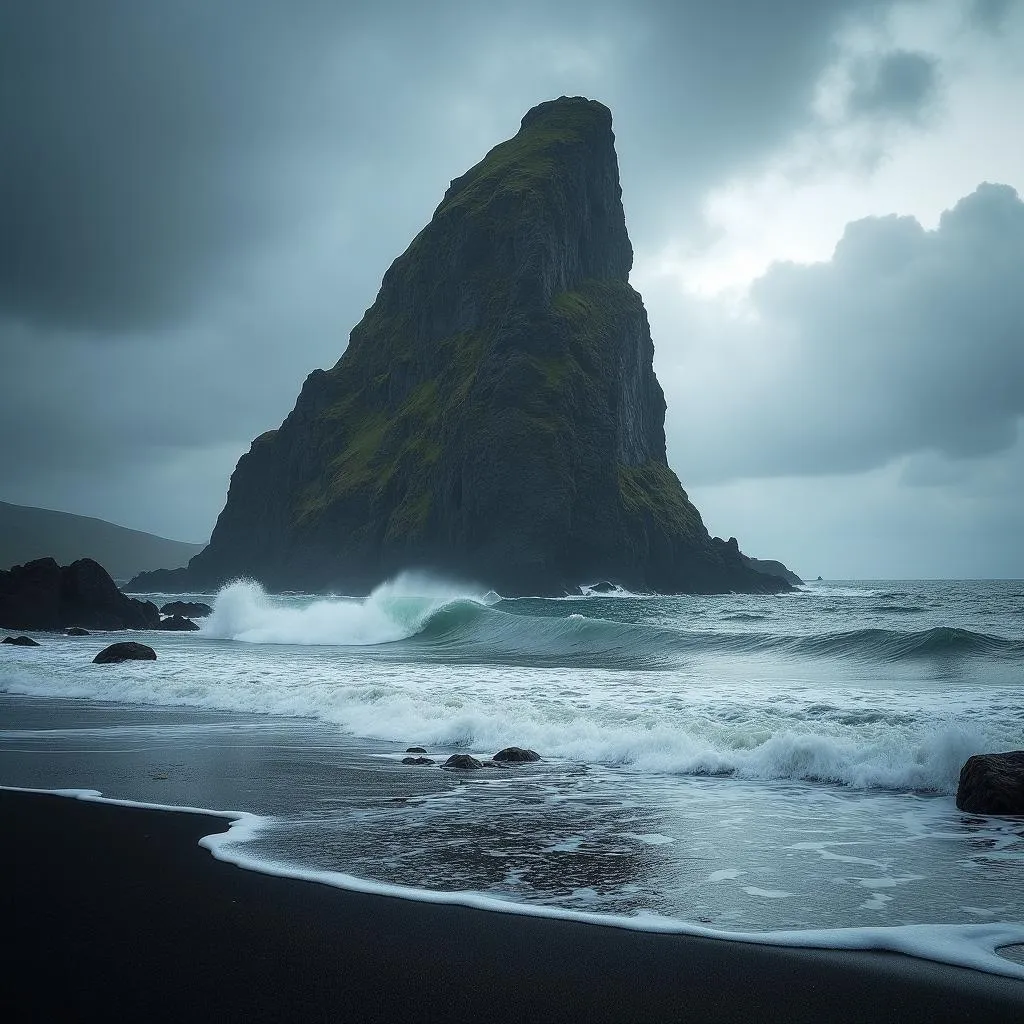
653	490
496	413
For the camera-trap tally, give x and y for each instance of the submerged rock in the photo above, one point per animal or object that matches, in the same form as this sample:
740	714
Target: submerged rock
177	623
20	641
516	754
76	631
992	784
463	762
415	750
417	760
188	609
495	415
127	650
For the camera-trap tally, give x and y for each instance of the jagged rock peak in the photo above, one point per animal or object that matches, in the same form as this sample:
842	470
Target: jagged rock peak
577	110
540	213
495	416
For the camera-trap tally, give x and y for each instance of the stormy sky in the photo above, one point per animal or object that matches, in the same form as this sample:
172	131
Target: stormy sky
198	202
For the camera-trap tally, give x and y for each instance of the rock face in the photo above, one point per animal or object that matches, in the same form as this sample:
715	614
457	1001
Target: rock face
129	650
496	416
187	609
992	784
773	568
44	595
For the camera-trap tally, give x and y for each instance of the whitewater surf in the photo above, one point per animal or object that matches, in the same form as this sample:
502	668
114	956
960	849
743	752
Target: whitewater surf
766	763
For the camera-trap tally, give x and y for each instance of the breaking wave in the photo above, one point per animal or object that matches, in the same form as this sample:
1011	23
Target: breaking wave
396	610
439	663
444	620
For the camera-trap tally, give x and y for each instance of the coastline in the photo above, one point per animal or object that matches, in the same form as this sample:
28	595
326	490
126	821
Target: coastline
131	918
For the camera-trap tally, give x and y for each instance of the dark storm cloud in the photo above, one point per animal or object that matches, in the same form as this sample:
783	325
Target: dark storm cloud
990	14
144	146
198	200
906	341
901	84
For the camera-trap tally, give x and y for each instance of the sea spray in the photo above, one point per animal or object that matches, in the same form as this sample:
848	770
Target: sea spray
779	754
443	663
462	622
394	611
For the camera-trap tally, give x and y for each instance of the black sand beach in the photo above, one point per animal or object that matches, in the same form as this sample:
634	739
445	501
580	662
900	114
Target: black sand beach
115	913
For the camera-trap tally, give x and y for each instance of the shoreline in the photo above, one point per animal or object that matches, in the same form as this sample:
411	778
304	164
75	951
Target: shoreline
131	917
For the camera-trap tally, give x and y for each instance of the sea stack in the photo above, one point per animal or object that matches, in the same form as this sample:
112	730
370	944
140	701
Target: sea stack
495	416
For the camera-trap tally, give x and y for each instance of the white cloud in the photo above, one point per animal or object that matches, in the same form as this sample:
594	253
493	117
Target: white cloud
906	341
873	526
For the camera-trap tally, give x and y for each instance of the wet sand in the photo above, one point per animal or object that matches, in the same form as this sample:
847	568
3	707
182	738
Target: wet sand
116	913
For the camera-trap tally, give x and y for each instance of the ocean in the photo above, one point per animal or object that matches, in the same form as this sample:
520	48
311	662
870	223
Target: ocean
773	767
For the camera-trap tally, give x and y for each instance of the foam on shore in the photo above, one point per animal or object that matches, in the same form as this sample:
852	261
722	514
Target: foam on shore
967	945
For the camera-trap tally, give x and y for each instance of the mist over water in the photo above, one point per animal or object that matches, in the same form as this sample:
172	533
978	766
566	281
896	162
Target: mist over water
764	762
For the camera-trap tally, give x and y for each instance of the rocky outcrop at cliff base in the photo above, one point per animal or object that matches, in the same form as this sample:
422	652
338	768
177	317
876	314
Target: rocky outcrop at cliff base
44	595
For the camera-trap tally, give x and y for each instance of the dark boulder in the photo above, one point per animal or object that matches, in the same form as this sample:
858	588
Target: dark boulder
178	624
518	754
187	609
30	595
415	750
43	595
20	641
992	784
128	650
463	762
76	631
417	760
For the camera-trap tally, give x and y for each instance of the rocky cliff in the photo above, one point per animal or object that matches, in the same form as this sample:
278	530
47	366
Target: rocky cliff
771	567
495	417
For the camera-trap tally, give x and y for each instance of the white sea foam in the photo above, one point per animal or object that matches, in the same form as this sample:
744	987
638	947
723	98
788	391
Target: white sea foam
963	945
822	589
655	722
322	659
616	591
394	611
622	743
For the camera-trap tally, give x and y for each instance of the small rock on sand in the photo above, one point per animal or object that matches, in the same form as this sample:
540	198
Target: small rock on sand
463	762
517	754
